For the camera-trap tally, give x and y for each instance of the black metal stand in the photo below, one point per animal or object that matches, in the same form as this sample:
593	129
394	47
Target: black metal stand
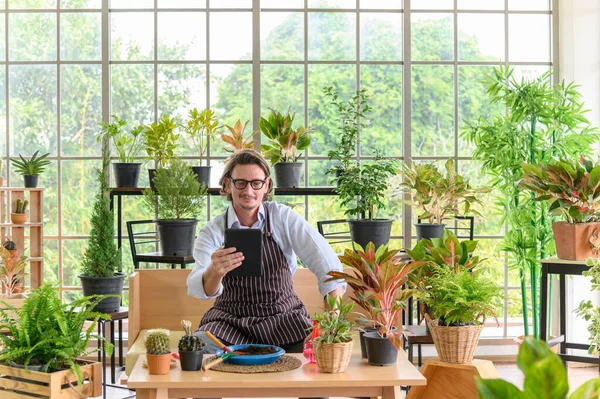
563	268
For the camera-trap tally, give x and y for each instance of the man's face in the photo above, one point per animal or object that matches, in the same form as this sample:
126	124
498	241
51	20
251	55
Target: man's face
248	198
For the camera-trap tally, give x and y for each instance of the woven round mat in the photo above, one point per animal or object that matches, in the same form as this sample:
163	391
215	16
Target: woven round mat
284	363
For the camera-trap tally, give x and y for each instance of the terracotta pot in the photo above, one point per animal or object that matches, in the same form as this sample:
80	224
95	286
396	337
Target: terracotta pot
14	253
159	364
573	239
519	340
18	218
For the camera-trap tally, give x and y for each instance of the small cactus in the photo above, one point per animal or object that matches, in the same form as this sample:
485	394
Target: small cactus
189	342
158	343
21	206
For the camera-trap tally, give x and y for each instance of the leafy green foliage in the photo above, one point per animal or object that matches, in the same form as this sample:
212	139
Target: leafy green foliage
128	146
102	258
160	140
46	331
545	377
586	309
543	121
237	139
32	166
377	278
436	195
571	187
284	140
201	128
177	194
334	325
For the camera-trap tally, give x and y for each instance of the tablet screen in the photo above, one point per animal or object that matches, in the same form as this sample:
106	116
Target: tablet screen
250	243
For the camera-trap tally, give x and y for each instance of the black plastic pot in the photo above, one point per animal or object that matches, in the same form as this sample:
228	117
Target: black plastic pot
287	174
363	346
380	351
177	236
151	177
191	361
126	174
102	286
203	173
30	181
426	230
364	231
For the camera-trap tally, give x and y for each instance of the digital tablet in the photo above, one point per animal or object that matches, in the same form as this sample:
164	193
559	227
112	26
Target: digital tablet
250	243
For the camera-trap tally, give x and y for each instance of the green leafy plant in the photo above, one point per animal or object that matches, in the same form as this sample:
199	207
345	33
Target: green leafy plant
543	121
237	139
545	377
160	140
177	194
201	128
587	310
102	258
334	325
571	187
189	342
128	145
32	166
21	206
284	140
436	195
377	278
158	343
47	332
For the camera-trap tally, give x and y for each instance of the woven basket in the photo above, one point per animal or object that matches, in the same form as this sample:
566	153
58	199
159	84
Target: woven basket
454	344
333	358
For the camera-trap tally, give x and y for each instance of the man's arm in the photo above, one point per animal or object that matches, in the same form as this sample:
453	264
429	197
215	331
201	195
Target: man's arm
223	260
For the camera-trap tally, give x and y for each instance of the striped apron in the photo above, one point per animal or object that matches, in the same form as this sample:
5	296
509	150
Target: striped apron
259	310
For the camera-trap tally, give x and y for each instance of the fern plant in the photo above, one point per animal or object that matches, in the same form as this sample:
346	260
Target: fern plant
48	332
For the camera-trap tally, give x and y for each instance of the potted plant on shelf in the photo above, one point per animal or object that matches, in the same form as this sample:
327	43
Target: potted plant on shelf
284	144
377	278
201	128
573	190
19	214
190	348
236	140
179	198
12	270
128	146
333	346
48	335
30	168
158	352
11	247
101	263
436	195
160	141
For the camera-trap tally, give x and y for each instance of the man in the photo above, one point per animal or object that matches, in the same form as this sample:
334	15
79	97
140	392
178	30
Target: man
245	311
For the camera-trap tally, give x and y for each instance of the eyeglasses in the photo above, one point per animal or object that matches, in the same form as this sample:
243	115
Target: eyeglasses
241	184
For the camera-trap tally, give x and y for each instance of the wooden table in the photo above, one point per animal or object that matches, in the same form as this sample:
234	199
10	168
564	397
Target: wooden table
358	380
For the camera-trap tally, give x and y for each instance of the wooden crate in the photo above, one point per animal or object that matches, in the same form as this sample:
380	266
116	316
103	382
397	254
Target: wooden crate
58	385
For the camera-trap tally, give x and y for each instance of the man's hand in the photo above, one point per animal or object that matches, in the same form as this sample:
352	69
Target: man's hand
222	261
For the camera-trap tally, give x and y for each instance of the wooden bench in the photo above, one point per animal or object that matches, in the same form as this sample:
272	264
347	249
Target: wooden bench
158	299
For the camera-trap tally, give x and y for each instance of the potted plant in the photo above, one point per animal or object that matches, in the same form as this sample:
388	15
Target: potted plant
19	214
458	298
179	198
588	311
190	348
48	335
376	278
284	144
30	168
128	146
12	269
101	263
333	346
236	140
201	128
572	189
436	195
11	247
158	352
160	141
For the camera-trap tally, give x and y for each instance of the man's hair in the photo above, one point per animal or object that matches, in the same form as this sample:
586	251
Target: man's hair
245	157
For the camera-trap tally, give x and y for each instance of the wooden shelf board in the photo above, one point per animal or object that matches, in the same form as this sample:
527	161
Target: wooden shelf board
21	189
28	224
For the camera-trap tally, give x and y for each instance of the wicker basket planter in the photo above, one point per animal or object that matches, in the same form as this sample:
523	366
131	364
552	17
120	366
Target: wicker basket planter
454	344
19	383
333	358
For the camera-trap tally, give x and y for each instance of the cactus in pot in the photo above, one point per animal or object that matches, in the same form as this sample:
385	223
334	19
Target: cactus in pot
190	348
19	213
158	352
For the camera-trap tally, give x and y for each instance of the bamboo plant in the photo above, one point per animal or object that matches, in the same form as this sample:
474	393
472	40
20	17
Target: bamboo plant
543	120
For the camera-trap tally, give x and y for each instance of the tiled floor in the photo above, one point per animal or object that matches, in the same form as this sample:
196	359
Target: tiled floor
507	371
